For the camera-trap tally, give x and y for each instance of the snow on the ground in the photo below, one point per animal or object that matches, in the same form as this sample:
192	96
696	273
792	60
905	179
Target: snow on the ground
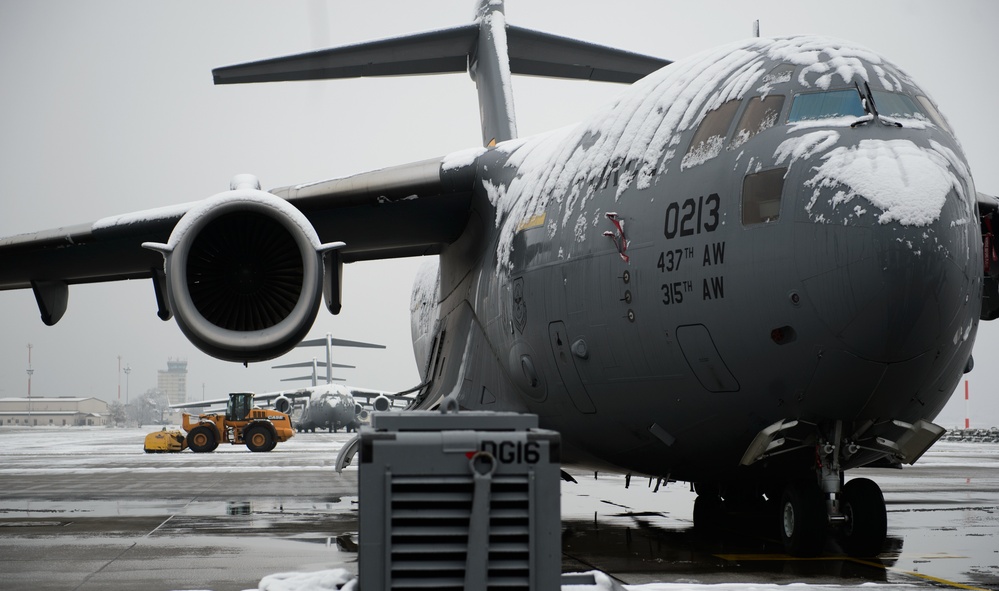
331	580
24	446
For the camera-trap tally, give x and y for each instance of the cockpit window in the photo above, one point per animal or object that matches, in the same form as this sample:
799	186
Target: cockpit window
761	114
761	196
900	106
935	115
710	135
847	103
826	105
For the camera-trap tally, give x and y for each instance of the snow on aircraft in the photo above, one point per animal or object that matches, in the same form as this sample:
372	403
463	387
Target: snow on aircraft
761	267
336	406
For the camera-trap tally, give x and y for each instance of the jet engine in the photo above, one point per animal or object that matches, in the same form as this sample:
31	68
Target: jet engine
382	404
282	404
244	273
425	312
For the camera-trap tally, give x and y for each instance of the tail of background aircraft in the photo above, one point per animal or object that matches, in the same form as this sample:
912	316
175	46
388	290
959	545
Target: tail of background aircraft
488	49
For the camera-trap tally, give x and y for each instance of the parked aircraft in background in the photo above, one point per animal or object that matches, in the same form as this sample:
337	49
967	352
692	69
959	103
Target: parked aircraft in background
336	406
759	268
315	378
280	401
329	407
328	342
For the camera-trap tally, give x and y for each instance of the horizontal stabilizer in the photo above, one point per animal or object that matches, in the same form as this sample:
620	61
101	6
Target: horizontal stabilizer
303	378
310	364
534	53
531	53
338	343
434	52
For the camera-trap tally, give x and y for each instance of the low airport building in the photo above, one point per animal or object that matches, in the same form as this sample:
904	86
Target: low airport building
63	411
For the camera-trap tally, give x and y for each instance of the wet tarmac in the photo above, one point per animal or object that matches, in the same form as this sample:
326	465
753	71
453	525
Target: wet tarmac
86	509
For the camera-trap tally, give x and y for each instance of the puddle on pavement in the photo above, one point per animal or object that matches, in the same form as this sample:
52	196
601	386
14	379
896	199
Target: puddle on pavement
140	508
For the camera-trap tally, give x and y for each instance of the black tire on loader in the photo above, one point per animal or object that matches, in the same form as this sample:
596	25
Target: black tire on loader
258	438
201	439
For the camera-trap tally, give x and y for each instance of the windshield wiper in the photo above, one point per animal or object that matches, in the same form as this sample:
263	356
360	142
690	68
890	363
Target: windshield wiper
867	101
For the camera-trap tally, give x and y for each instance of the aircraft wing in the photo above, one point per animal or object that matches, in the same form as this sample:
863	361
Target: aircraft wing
267	398
408	210
369	395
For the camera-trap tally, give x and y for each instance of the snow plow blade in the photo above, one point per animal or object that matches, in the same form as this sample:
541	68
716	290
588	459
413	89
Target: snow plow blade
164	441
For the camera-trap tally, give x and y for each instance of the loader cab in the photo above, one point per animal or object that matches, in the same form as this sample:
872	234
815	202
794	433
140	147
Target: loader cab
239	406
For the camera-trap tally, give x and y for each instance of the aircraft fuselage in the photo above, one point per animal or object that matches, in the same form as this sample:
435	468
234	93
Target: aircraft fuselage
738	240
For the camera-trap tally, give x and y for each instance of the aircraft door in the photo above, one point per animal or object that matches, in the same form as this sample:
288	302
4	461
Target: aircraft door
565	362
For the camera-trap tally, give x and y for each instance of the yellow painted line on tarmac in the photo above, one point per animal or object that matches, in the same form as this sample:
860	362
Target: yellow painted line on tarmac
787	558
930	578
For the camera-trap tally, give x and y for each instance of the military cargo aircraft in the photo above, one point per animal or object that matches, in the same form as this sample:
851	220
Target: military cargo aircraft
759	268
329	407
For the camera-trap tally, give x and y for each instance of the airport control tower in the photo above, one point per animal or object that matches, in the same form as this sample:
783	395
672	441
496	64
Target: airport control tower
173	381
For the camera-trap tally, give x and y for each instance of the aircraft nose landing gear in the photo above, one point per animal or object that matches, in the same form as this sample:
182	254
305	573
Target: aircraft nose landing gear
818	502
812	508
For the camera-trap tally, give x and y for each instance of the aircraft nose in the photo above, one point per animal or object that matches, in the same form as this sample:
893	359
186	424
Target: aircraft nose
891	272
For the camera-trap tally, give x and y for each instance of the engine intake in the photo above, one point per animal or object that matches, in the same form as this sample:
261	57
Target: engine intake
282	404
244	274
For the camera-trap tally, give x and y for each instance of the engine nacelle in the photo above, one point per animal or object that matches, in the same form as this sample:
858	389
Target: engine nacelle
282	404
382	404
244	273
424	313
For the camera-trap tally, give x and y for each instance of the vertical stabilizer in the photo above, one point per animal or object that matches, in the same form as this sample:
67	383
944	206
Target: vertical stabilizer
489	48
489	67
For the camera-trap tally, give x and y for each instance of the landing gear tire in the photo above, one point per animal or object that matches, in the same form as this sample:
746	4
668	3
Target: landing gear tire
866	527
258	439
709	512
202	440
803	521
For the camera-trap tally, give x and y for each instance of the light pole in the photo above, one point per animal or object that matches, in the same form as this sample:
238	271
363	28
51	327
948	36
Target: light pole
30	371
128	370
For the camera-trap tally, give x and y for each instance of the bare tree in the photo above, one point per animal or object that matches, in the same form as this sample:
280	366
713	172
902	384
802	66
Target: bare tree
116	412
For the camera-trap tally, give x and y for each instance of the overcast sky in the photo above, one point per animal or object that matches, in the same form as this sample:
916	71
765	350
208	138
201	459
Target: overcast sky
108	107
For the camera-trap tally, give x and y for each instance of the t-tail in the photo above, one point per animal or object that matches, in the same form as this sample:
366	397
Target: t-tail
488	48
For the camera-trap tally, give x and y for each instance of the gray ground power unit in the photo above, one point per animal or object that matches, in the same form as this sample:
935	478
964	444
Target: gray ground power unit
463	500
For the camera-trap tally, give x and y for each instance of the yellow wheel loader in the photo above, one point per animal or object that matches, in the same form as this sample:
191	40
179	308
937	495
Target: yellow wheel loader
258	429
